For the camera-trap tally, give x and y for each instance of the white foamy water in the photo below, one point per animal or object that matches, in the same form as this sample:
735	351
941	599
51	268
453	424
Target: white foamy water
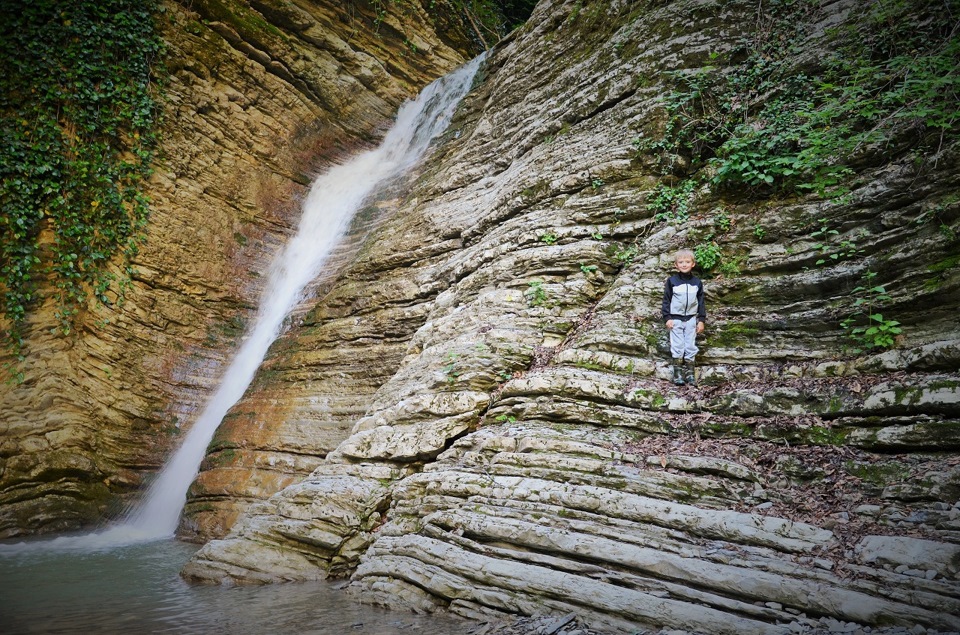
333	200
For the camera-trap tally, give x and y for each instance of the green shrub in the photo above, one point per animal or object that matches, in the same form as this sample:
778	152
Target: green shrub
536	294
708	255
624	254
866	325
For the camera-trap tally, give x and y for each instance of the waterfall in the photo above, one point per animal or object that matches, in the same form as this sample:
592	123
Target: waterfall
327	211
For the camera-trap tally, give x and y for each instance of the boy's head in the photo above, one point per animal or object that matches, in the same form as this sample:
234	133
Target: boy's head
685	260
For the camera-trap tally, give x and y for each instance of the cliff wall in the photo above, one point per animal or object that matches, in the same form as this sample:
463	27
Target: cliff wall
527	452
475	412
262	95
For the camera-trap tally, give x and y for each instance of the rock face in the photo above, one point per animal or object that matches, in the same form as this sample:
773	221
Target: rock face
479	396
521	449
262	95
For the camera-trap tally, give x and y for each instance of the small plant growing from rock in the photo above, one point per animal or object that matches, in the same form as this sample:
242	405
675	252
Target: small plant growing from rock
708	254
548	238
877	332
672	203
536	294
450	368
624	254
722	220
824	235
829	249
731	267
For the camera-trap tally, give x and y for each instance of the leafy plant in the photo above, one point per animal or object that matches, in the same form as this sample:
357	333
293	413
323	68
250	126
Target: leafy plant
824	234
878	333
707	254
866	325
78	119
722	220
731	267
536	294
624	254
830	249
548	238
672	203
450	369
689	134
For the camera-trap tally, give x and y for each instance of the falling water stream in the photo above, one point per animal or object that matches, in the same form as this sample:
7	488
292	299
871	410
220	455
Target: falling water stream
78	573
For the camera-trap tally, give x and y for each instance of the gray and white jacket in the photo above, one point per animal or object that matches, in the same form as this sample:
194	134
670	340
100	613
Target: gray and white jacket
683	298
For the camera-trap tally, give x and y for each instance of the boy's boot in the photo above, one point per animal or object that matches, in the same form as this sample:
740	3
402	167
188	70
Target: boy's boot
689	372
678	371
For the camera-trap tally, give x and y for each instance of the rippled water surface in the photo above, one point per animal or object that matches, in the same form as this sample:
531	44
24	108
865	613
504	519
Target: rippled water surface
137	589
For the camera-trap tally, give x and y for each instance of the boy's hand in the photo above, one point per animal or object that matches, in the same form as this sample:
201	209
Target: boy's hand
700	327
669	324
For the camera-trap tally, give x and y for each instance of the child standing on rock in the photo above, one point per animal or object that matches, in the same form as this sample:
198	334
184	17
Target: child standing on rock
685	314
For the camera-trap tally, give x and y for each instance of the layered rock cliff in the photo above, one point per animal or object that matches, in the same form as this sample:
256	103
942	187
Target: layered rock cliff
261	96
521	449
475	414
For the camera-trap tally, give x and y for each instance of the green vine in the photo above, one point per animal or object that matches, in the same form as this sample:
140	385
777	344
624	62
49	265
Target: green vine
671	203
78	131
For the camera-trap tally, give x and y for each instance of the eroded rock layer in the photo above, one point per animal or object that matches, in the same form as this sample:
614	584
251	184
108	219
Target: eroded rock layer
261	96
528	452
